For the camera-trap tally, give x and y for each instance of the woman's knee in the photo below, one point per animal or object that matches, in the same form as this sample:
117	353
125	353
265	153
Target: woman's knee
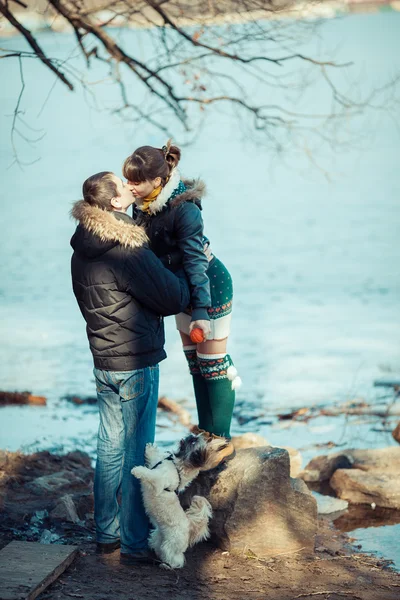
213	346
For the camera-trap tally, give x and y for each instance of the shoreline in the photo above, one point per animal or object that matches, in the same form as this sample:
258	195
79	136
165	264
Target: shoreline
33	492
46	20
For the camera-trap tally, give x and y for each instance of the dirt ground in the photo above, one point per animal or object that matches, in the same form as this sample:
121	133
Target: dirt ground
336	570
333	572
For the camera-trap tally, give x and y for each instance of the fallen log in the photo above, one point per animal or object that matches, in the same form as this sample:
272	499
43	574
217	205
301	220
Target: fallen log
80	400
21	398
386	411
170	406
393	382
349	408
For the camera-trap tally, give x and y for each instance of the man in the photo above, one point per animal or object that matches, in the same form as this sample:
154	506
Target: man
123	292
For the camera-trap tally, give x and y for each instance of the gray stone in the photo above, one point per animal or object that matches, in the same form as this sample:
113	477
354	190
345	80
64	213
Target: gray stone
257	507
367	487
322	467
327	505
249	440
53	483
385	460
360	476
255	440
48	537
84	504
80	457
65	510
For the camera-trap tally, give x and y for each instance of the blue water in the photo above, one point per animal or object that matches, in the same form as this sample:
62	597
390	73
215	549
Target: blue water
314	250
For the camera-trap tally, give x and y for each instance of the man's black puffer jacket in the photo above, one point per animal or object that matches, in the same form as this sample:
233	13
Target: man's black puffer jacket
175	227
122	289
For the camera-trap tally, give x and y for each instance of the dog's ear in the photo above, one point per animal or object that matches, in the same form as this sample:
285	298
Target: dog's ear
198	458
181	450
186	446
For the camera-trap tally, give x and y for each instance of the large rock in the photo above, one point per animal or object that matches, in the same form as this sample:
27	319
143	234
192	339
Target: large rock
360	476
84	504
65	510
257	506
380	460
55	482
323	467
363	487
396	433
255	440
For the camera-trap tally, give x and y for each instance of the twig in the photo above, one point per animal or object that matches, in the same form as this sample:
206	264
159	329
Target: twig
327	592
290	552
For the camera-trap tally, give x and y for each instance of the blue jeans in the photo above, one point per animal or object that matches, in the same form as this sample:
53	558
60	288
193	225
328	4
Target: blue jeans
127	403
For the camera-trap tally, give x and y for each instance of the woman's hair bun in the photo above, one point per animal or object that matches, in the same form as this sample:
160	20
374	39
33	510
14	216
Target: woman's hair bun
172	154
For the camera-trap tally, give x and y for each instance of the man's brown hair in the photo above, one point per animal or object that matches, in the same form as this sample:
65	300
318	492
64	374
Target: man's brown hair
99	189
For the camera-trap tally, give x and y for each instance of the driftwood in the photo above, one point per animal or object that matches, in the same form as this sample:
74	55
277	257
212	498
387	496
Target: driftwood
20	398
79	400
170	406
393	382
385	411
358	407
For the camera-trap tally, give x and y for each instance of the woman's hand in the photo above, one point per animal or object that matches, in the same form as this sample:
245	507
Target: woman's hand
207	251
203	325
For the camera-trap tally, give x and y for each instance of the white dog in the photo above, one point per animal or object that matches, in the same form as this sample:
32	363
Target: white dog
164	476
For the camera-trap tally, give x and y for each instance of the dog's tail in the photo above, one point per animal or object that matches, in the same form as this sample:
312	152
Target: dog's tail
198	514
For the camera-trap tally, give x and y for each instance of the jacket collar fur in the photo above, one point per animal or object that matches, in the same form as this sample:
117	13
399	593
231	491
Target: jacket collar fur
109	226
194	192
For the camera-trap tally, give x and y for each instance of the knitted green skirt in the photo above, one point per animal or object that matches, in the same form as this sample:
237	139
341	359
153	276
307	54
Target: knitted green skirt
220	311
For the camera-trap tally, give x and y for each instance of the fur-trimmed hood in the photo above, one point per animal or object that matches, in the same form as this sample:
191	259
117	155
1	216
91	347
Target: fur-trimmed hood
195	190
106	229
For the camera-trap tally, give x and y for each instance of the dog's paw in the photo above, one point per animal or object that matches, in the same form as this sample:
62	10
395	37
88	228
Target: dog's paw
176	562
150	446
153	455
138	472
200	504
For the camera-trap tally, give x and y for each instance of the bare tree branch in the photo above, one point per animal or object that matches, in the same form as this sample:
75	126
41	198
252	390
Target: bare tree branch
33	44
230	53
14	129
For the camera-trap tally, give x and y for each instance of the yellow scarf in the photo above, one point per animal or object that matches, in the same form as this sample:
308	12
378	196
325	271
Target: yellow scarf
145	206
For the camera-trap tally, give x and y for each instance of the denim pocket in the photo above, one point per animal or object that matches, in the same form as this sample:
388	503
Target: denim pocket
101	386
133	386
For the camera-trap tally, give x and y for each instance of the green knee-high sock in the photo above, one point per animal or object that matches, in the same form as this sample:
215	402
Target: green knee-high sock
221	378
199	386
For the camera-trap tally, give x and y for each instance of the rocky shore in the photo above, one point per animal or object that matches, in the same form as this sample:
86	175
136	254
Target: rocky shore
48	498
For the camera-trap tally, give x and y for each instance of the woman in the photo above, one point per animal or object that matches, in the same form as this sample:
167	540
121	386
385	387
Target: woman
169	208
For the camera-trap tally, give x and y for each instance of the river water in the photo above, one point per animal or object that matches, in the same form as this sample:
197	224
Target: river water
315	261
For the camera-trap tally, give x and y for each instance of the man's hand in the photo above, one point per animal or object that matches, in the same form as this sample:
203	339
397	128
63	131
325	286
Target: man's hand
203	325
